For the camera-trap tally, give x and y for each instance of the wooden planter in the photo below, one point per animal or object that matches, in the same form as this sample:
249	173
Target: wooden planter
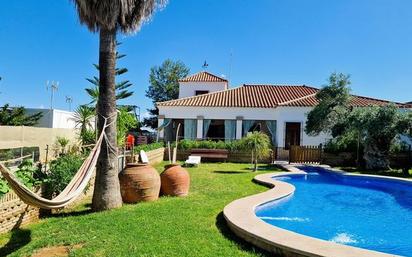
139	182
175	180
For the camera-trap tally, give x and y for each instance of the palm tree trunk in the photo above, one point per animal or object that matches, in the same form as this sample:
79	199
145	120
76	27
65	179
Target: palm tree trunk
107	189
255	162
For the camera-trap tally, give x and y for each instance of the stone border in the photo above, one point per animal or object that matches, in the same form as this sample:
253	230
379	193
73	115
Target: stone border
242	220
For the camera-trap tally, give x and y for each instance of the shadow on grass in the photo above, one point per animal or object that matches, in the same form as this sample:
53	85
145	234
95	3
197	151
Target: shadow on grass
230	172
71	213
264	167
243	245
19	238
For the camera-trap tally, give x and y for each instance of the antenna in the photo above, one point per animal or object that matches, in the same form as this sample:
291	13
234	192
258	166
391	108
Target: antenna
69	100
53	87
205	65
230	65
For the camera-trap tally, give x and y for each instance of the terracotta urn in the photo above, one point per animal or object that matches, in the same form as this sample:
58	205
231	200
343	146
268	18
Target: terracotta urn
139	182
175	180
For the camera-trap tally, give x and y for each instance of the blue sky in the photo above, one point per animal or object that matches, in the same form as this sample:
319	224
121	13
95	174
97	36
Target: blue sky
282	41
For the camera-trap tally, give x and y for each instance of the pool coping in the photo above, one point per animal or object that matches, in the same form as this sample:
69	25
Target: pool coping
242	220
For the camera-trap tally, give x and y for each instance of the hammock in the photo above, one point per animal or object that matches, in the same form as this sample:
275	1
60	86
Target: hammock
69	194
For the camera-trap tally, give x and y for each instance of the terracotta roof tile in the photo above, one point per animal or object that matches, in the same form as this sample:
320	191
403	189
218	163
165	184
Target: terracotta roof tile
203	76
266	96
357	101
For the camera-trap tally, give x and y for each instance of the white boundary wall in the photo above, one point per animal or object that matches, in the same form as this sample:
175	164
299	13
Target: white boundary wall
15	137
54	118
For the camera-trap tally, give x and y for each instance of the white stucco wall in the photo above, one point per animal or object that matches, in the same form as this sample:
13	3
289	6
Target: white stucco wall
187	89
280	114
53	118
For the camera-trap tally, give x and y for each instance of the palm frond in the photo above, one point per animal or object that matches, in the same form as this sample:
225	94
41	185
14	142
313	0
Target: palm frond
120	71
123	85
123	94
124	15
119	56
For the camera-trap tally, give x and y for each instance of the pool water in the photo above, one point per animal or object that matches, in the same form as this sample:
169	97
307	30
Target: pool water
370	213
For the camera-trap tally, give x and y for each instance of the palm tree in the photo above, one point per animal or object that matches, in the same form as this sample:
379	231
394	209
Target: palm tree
259	143
108	17
83	120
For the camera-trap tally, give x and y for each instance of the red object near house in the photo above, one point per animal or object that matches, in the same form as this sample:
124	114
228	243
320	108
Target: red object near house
129	141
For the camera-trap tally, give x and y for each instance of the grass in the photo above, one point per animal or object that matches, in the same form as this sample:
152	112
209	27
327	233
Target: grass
191	226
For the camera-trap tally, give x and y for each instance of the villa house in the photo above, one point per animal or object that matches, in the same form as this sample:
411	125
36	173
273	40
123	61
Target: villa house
208	109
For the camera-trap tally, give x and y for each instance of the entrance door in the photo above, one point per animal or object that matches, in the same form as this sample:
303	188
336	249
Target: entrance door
292	136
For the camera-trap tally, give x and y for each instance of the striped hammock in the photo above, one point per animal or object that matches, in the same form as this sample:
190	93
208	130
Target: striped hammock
69	194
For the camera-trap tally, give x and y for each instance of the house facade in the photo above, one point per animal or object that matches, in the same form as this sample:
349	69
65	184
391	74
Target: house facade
208	109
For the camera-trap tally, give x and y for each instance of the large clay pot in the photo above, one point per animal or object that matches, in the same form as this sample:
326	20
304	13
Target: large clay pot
175	180
139	182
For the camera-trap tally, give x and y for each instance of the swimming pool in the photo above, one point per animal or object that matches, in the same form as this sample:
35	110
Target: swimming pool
366	212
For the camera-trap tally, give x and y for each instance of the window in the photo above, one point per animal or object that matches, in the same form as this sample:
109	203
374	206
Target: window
201	92
216	130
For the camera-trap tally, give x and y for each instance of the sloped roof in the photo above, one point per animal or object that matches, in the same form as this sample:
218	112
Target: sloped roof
203	76
265	96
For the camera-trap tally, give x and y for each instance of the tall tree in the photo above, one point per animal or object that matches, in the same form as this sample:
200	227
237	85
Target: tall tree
121	87
108	17
17	117
164	86
375	127
333	101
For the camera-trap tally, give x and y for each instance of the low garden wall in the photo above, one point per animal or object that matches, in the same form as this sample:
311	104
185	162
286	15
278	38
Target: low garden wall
344	159
155	156
237	157
15	213
347	159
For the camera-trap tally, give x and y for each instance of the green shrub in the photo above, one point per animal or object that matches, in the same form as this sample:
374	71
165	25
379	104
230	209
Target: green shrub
61	172
235	145
148	147
88	137
259	144
125	122
27	173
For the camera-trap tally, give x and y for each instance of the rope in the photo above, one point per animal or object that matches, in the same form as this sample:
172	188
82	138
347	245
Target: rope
75	187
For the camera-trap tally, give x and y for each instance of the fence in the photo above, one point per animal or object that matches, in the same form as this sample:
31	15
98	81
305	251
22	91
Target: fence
13	163
305	154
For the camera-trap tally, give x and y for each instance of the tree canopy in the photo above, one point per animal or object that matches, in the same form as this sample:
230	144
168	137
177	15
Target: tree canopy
164	85
333	104
17	116
374	127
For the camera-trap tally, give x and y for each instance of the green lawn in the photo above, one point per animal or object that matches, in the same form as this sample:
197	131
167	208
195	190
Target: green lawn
192	226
